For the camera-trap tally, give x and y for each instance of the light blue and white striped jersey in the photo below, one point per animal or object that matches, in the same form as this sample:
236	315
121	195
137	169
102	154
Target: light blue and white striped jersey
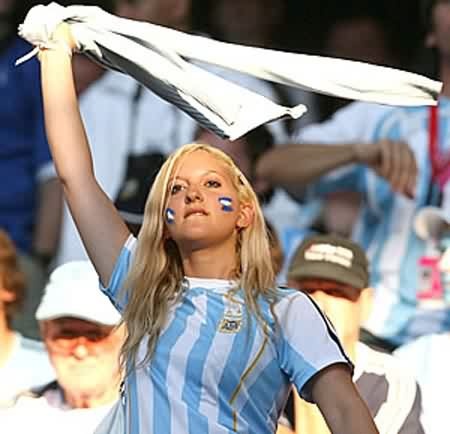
215	372
385	224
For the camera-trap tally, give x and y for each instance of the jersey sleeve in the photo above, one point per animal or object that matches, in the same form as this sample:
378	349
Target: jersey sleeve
115	290
307	342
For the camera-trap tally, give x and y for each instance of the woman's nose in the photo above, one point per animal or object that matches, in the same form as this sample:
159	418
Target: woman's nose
193	194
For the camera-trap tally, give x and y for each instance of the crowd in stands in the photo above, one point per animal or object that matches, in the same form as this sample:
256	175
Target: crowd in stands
356	197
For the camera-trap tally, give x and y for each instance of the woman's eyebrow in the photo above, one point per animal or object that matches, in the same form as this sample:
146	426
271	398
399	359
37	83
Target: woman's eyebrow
177	178
208	172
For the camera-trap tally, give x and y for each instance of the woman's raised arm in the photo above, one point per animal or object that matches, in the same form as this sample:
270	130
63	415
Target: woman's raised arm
100	226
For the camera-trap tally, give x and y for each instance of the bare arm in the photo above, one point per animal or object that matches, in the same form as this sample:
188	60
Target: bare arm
293	166
340	403
101	228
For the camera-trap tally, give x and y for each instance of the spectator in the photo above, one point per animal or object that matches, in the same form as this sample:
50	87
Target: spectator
30	194
79	328
23	362
201	273
334	272
398	160
429	356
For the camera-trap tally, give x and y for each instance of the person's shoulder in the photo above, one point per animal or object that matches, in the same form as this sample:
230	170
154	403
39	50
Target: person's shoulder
290	299
399	118
284	292
32	397
353	122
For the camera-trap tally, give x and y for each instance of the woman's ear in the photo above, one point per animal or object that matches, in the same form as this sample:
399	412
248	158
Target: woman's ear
246	216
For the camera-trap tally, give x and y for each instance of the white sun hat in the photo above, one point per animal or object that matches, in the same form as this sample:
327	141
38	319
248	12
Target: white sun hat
73	290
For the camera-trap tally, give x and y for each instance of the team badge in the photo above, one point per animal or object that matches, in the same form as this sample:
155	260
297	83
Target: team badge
232	318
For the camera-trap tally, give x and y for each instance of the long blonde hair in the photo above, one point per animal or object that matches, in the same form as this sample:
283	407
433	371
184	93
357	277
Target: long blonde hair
156	273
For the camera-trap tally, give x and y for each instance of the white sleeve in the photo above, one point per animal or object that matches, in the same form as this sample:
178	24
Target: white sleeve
119	274
307	342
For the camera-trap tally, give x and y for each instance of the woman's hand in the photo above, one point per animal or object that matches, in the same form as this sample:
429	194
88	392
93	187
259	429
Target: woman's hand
64	34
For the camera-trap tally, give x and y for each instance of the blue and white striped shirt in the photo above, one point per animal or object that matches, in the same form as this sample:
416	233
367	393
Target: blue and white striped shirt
385	225
208	378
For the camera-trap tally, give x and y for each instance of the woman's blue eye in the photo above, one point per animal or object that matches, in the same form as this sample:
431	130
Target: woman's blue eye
213	184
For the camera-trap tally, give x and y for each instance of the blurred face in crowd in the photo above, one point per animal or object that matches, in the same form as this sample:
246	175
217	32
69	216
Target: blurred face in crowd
439	37
6	6
7	11
362	39
163	12
85	355
252	22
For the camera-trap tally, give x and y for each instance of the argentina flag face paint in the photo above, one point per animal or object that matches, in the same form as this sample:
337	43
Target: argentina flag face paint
170	216
226	203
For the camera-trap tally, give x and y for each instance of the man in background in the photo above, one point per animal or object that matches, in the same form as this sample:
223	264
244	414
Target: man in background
79	329
334	272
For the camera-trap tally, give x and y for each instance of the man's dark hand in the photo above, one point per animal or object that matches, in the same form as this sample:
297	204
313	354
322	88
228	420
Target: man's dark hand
392	160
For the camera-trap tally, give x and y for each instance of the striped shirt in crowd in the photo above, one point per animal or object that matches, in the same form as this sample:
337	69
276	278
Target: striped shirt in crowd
385	227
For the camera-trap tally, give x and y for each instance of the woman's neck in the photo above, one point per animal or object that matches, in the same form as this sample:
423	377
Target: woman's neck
214	262
7	337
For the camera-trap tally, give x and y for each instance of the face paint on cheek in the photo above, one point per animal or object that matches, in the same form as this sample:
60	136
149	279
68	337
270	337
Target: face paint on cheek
226	203
170	216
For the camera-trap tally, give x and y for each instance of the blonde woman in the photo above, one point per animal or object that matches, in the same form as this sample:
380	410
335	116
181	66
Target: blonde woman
213	346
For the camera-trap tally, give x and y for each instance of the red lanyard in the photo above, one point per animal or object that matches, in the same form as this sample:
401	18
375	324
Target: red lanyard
440	164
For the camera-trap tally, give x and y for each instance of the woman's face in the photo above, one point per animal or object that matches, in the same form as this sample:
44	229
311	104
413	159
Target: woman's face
203	208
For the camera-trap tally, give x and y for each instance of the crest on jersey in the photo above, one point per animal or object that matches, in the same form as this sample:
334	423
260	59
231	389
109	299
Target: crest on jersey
232	318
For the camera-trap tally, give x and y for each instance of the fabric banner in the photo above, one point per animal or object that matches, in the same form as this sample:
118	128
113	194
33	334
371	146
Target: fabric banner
169	63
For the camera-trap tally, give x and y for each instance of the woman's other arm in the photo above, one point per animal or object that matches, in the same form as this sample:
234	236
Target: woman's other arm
334	392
